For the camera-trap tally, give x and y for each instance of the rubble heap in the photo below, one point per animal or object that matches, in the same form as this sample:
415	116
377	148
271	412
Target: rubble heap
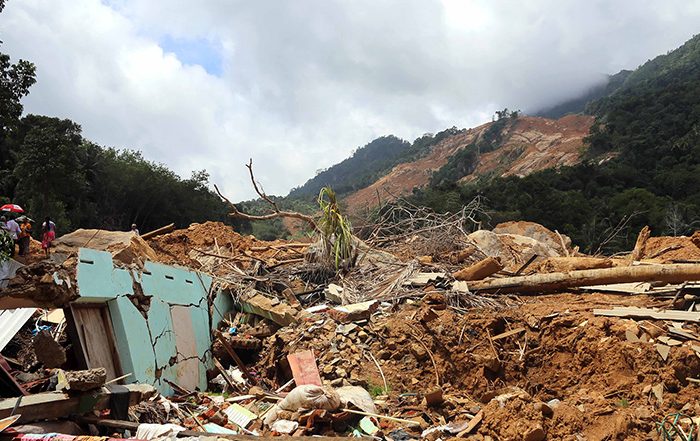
504	334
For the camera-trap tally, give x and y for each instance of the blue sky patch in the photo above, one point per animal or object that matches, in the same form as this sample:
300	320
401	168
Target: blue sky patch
199	51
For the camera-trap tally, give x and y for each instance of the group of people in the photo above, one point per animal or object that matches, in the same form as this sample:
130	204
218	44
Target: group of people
20	231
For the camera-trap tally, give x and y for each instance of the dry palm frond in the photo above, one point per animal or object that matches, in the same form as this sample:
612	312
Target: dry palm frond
336	232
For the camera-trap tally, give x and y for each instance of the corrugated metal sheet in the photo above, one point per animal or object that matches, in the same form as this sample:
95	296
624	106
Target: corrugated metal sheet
11	321
7	271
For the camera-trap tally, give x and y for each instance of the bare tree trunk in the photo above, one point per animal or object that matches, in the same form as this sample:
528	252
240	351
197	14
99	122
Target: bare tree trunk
551	282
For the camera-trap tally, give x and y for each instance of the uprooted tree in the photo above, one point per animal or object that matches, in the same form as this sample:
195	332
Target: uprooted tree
336	246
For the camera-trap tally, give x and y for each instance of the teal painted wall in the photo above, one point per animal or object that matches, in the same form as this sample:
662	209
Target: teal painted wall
146	345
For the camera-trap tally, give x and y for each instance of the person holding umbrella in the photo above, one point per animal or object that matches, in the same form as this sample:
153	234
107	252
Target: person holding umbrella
11	226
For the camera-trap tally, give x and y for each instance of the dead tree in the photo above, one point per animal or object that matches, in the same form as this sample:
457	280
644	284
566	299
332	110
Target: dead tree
276	212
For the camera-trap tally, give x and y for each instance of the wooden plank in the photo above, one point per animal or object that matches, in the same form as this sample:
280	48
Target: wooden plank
54	405
507	334
304	368
94	330
157	232
226	376
236	358
682	333
632	312
479	270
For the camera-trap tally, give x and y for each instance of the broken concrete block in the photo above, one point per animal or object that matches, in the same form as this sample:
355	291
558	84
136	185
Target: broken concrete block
81	380
48	351
354	312
280	313
334	293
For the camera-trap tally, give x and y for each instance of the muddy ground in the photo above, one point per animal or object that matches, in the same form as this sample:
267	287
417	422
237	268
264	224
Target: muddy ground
606	386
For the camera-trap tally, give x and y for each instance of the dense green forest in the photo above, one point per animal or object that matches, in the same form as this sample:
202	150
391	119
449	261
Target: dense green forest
50	169
642	165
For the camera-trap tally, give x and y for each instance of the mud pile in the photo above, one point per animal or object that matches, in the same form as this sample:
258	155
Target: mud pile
199	245
598	385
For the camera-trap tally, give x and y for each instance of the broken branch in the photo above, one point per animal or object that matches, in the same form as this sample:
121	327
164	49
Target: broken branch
276	211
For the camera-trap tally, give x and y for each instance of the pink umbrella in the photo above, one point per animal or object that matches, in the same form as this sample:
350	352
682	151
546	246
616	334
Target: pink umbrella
12	208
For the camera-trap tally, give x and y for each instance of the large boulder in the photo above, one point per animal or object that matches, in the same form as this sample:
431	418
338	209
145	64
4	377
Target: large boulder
537	232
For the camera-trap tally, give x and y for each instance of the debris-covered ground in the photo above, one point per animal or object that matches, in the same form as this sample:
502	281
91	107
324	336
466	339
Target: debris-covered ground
434	332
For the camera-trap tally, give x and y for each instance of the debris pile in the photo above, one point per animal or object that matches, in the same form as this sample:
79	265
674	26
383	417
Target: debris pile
505	334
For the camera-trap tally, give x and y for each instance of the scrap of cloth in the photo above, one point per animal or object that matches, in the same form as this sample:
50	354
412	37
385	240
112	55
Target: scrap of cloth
44	437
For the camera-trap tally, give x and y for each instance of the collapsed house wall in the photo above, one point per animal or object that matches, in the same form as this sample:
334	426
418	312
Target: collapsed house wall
162	318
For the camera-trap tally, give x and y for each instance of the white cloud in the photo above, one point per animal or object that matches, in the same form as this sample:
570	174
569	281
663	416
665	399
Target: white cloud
303	83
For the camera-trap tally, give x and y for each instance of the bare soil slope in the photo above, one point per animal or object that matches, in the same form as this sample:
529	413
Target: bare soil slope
532	144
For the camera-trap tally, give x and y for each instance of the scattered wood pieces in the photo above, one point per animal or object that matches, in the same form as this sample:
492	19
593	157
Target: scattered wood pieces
633	312
226	376
232	353
480	270
472	424
507	334
663	350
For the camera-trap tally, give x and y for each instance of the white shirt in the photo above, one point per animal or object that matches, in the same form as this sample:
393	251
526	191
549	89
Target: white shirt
13	228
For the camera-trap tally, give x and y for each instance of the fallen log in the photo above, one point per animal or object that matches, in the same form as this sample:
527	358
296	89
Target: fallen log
551	282
480	270
575	263
157	232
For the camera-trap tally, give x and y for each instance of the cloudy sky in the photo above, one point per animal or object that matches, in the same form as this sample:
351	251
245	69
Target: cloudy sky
298	84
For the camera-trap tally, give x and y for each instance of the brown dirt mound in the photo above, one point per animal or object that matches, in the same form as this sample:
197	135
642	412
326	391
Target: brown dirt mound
181	247
669	249
601	380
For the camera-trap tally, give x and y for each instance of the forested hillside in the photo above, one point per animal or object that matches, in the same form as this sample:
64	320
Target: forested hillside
643	165
50	169
369	163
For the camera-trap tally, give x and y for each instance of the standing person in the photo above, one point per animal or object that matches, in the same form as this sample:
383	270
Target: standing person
24	235
3	223
48	234
14	230
135	230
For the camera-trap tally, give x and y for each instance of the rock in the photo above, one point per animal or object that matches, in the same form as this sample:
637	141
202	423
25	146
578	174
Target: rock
537	232
354	312
81	380
419	352
554	403
334	293
535	434
510	248
426	315
48	351
544	409
280	313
